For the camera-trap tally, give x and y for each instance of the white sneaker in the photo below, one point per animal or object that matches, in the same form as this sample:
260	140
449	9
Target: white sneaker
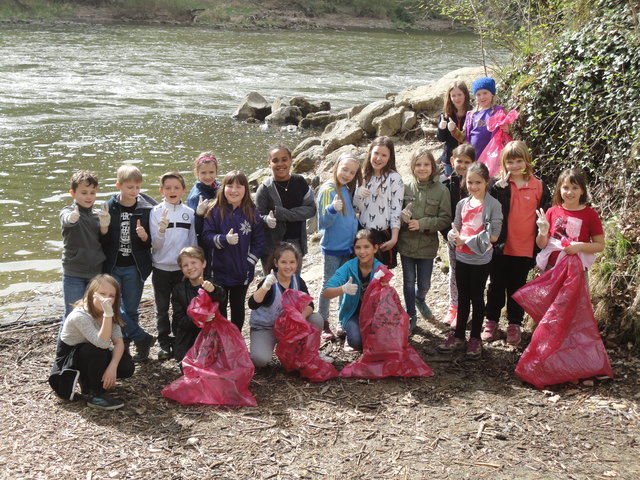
325	357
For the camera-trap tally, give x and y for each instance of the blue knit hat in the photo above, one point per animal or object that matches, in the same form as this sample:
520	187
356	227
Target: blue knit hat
484	83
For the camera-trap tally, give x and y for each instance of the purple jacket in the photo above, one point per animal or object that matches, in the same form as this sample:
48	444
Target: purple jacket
233	265
475	128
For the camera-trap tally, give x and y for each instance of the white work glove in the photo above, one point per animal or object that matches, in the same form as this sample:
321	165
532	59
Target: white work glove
362	192
201	209
350	288
74	216
443	123
379	274
452	126
542	222
103	216
337	204
105	304
453	234
504	182
271	220
406	213
269	280
232	238
163	223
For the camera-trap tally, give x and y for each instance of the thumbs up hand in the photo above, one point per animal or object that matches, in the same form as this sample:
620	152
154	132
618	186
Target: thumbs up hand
232	238
406	213
103	216
337	204
542	222
163	223
74	216
207	285
443	123
271	220
350	288
269	280
201	209
141	232
451	125
453	234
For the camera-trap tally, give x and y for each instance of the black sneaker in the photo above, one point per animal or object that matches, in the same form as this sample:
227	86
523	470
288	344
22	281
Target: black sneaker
164	353
143	349
105	402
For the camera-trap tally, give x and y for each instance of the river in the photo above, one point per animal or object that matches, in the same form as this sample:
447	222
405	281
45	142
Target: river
94	97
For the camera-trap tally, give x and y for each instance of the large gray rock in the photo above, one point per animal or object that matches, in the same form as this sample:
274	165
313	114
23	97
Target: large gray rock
326	166
370	112
305	144
409	120
342	132
389	123
430	98
352	111
320	106
319	120
308	159
253	105
258	176
280	102
285	116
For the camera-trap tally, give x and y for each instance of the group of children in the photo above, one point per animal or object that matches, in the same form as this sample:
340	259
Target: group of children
493	228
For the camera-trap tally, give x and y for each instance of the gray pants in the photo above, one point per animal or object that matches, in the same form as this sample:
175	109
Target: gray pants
263	341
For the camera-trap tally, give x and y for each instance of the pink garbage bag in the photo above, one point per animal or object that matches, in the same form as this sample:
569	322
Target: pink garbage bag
566	345
217	369
491	154
299	341
384	326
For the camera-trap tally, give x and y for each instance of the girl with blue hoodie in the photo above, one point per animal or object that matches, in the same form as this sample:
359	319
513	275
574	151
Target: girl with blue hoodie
337	223
234	235
351	281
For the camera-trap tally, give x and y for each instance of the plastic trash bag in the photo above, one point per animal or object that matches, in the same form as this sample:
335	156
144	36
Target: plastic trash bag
490	156
566	345
384	326
299	341
217	368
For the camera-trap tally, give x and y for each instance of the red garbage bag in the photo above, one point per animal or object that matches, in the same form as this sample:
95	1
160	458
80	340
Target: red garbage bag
490	156
384	326
566	345
217	369
299	341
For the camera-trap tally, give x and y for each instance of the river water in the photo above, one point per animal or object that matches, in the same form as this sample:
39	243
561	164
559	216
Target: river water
94	97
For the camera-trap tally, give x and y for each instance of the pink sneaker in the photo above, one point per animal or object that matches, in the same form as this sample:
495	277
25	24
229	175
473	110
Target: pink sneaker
339	331
490	331
513	334
451	316
474	349
451	344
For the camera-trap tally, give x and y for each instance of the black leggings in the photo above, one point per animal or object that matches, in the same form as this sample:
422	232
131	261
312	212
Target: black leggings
508	274
93	361
236	298
471	280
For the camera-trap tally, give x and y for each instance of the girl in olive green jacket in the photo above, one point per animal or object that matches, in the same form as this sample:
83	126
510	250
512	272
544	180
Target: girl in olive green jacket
427	210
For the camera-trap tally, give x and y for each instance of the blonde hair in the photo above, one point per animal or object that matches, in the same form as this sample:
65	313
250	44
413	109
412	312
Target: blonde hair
515	150
94	285
191	252
129	173
351	186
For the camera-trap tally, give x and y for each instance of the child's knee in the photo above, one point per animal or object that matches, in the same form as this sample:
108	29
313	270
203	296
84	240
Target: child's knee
260	359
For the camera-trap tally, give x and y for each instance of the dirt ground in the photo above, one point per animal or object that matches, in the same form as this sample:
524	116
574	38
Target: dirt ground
470	420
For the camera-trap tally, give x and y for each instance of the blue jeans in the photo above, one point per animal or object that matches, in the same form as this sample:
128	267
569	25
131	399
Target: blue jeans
331	264
415	270
72	290
352	329
131	286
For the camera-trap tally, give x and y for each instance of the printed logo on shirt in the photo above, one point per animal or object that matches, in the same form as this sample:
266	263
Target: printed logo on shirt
185	216
125	234
245	227
568	227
